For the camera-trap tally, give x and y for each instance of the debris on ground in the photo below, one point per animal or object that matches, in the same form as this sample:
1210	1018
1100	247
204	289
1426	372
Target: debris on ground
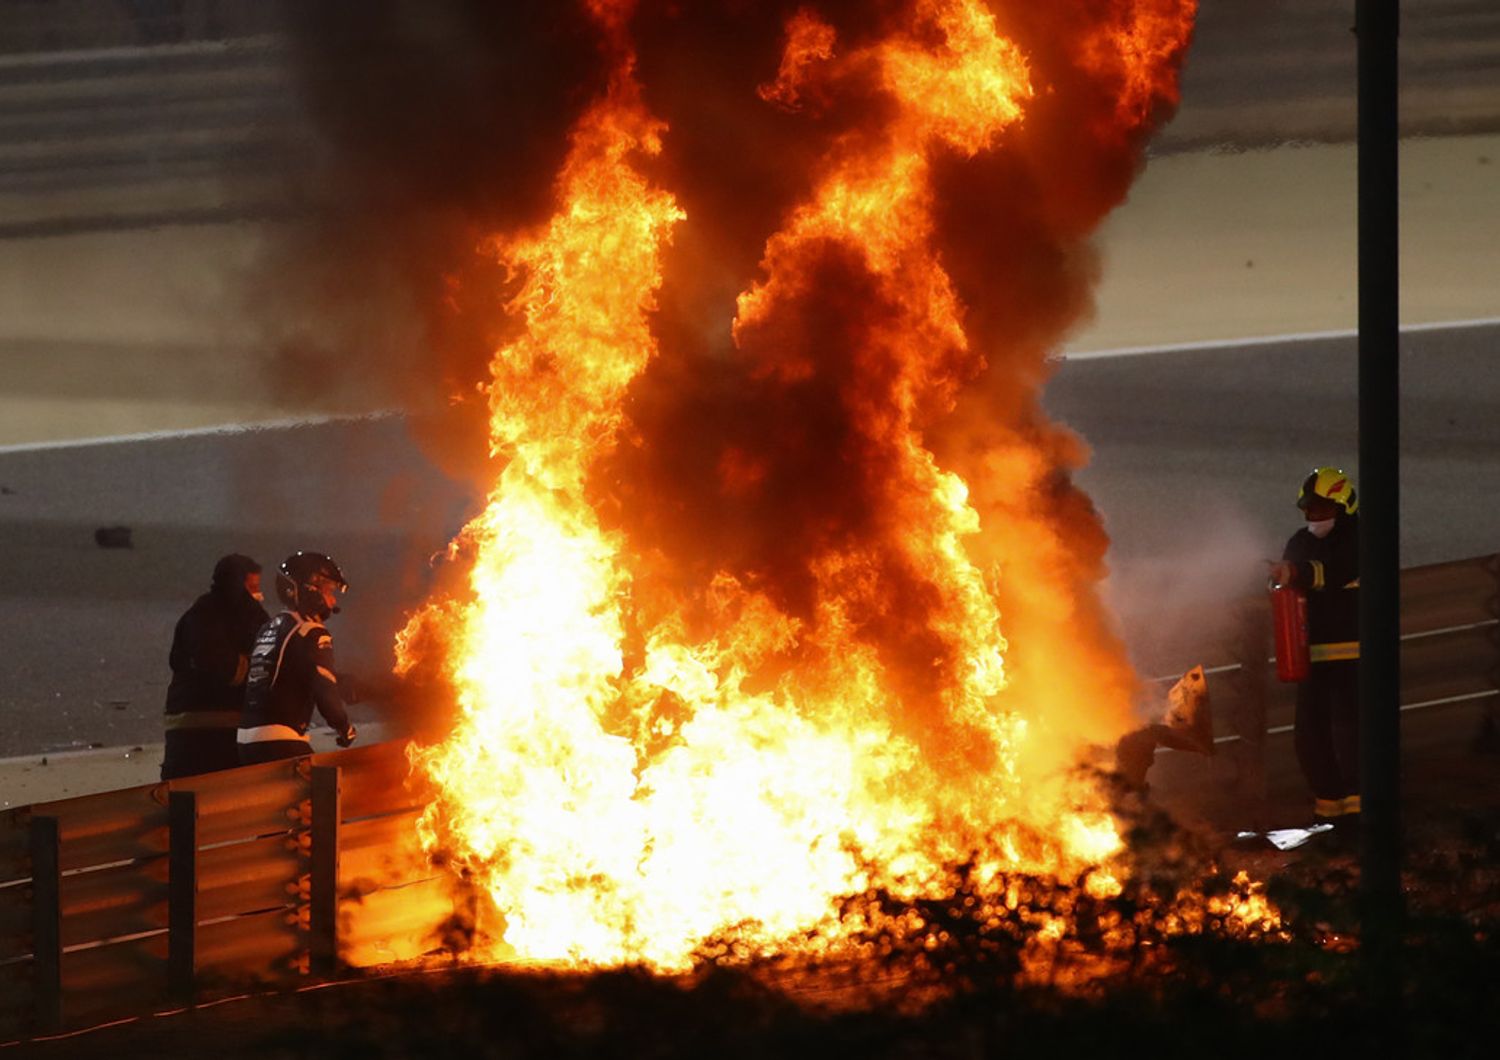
1284	838
113	537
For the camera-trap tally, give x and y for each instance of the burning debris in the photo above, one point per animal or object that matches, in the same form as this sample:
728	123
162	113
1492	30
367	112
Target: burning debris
782	592
1186	725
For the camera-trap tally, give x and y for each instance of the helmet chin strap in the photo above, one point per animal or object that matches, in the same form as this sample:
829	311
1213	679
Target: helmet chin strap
318	611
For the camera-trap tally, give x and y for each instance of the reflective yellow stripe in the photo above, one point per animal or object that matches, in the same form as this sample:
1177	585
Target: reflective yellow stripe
1336	807
1328	807
1344	649
1317	569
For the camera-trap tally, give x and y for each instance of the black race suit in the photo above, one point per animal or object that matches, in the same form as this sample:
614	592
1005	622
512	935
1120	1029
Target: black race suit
1327	720
209	659
291	671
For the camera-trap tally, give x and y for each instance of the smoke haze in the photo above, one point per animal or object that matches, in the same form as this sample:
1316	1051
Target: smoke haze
760	450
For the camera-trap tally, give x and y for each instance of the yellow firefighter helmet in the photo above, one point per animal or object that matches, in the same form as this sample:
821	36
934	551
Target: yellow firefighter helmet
1331	484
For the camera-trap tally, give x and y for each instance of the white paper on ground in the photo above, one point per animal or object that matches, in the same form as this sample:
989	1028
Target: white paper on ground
1287	838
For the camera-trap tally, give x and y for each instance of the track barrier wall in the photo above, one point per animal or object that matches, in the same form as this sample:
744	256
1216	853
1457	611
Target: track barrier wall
190	890
186	891
1450	661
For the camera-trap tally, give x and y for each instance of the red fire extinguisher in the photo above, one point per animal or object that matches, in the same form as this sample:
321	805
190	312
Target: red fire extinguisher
1289	621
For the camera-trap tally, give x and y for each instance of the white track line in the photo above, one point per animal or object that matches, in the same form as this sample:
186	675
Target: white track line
1088	355
198	432
1267	340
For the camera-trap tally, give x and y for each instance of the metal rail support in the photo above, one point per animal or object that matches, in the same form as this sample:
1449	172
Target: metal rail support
182	896
323	948
46	911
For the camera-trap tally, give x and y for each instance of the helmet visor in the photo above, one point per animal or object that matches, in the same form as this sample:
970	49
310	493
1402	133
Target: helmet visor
326	585
1308	491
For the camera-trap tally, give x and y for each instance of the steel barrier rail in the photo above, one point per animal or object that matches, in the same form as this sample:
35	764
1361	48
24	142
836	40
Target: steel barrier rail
1449	643
119	903
1434	599
1450	658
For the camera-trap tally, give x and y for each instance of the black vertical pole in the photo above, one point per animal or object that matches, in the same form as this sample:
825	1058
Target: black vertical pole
182	896
1377	25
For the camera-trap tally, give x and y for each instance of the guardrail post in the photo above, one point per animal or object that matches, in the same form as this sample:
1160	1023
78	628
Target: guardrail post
1487	739
182	896
324	885
46	911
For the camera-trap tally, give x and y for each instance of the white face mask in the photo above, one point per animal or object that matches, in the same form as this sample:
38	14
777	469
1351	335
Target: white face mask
1320	527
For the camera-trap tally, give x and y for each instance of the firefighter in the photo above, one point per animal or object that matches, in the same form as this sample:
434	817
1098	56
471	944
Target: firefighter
1322	560
291	666
210	657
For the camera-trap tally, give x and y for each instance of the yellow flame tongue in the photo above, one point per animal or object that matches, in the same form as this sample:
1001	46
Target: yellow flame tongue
621	814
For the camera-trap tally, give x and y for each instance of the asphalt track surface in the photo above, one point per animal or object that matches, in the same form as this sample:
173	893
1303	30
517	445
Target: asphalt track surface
1197	455
87	629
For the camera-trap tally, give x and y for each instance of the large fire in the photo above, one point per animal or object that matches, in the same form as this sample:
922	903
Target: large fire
661	741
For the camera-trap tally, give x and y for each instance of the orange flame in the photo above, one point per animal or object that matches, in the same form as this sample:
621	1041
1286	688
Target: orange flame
1135	47
625	785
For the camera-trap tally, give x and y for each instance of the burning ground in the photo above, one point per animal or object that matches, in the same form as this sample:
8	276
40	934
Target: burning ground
781	593
1169	993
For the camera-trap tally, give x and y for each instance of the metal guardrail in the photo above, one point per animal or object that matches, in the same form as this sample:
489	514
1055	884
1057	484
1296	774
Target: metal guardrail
1450	648
1450	658
188	890
168	894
